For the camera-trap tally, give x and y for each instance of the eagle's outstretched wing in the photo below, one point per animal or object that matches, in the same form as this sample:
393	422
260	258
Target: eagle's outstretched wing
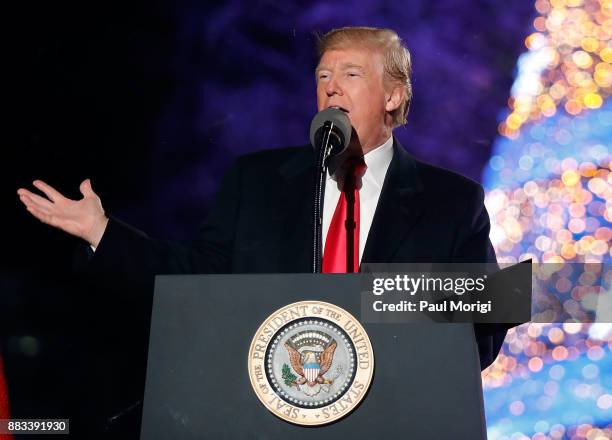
327	357
295	358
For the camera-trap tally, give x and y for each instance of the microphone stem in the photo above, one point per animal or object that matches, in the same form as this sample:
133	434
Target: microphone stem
319	195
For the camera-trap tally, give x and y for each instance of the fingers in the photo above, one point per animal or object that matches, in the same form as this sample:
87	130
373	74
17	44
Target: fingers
37	213
86	189
33	200
41	214
48	190
69	215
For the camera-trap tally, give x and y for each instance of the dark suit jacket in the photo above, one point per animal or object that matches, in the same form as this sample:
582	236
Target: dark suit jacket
261	222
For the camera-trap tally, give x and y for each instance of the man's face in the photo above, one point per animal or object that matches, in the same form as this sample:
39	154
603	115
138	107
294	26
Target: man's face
352	79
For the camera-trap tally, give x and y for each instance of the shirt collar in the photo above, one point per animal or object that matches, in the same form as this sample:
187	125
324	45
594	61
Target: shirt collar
378	160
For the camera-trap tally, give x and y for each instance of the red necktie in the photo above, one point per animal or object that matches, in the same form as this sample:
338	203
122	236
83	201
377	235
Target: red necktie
341	253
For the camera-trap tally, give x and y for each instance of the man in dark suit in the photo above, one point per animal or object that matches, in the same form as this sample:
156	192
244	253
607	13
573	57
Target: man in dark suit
261	221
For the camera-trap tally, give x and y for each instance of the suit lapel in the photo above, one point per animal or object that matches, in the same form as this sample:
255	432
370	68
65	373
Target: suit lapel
399	208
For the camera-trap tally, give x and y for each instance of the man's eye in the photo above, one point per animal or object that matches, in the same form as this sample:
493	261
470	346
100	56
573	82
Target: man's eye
323	76
352	74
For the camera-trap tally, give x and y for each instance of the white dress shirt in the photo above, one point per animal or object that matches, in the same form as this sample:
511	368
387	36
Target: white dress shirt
377	162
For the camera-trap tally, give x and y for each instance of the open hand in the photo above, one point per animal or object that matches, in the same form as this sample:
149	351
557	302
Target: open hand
83	218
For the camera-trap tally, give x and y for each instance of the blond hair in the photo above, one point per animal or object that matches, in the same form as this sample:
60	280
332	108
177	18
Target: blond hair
397	65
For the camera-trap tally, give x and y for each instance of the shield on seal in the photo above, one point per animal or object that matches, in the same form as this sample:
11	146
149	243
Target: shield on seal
311	371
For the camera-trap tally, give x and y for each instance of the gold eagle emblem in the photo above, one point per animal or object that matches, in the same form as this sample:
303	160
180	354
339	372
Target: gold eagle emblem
311	365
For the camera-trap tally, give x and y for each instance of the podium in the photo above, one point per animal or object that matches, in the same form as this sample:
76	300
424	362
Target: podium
425	384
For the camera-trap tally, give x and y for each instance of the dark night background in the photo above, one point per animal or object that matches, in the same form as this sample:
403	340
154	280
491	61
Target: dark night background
152	100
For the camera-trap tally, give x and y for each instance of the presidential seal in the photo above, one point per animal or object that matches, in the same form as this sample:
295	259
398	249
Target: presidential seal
310	363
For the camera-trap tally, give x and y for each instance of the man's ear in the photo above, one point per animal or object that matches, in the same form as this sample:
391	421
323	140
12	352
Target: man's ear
395	97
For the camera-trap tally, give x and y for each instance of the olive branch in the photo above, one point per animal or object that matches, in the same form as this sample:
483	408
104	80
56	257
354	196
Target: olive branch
288	376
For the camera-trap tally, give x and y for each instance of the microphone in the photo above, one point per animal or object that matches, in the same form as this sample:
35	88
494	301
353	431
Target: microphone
330	134
330	128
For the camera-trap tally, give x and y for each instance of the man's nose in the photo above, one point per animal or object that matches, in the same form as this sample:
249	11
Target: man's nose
333	88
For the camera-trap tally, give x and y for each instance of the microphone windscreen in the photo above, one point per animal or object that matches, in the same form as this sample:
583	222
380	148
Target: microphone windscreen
339	119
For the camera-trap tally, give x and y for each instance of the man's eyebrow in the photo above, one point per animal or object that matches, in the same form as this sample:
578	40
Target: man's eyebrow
352	66
344	66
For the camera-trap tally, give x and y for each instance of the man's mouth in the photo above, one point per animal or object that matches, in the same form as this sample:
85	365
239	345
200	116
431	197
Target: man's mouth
337	107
